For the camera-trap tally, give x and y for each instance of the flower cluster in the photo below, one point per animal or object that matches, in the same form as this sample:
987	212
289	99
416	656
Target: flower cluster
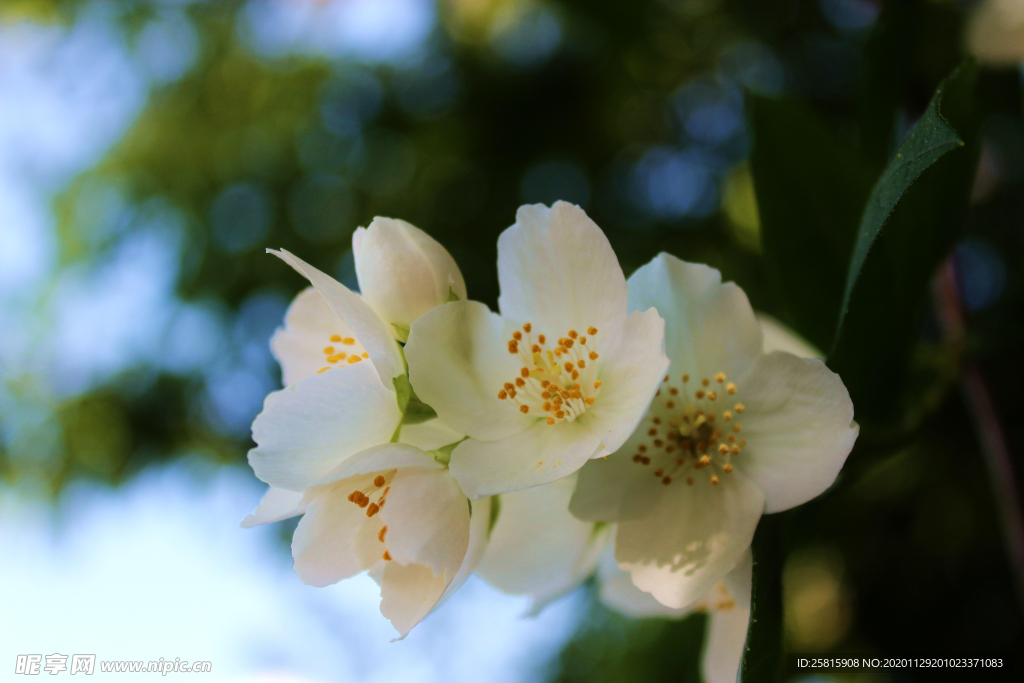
633	430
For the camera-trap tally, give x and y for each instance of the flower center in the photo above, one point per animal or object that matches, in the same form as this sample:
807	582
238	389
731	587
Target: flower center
559	382
342	350
364	499
692	436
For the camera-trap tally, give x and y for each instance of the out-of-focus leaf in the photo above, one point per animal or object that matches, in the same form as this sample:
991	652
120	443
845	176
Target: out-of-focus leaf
811	186
763	654
913	217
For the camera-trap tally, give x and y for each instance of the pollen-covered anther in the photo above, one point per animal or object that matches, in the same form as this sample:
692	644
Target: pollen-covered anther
372	510
730	388
727	467
723	449
703	462
737	427
335	337
720	377
386	556
322	371
502	394
328	350
383	532
739	407
379	480
714	480
591	331
712	395
705	382
524	409
727	415
699	393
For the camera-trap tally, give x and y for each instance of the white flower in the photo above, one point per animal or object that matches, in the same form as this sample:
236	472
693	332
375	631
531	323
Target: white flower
561	376
537	548
733	432
334	404
403	272
727	605
323	440
995	32
397	512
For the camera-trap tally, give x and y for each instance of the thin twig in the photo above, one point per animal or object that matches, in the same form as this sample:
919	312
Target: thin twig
991	438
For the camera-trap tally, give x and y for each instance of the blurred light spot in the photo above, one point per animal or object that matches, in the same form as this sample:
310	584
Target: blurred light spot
710	112
234	397
319	150
549	182
388	163
740	205
525	33
320	208
818	604
668	183
365	30
194	339
981	273
753	66
347	102
850	15
240	217
167	47
429	90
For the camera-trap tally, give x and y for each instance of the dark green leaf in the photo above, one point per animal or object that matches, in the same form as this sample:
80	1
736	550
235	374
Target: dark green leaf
911	222
811	186
763	655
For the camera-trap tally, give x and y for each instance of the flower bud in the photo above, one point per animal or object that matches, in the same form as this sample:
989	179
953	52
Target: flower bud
403	272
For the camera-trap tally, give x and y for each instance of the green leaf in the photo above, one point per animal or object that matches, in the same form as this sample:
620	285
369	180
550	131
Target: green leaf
403	332
452	296
404	391
443	454
495	512
811	186
913	218
763	655
416	411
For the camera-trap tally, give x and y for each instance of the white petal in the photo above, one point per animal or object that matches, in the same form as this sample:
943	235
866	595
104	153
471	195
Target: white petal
380	458
458	362
307	429
538	455
402	271
309	325
616	489
335	539
373	333
479	524
429	435
537	548
277	504
618	592
558	271
726	631
709	326
691	539
778	337
428	520
632	371
408	593
799	428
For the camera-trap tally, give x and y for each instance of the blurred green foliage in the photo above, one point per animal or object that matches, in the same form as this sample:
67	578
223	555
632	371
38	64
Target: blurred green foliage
904	555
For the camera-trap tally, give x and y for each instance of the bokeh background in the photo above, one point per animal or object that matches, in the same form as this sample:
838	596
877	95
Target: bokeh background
151	149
